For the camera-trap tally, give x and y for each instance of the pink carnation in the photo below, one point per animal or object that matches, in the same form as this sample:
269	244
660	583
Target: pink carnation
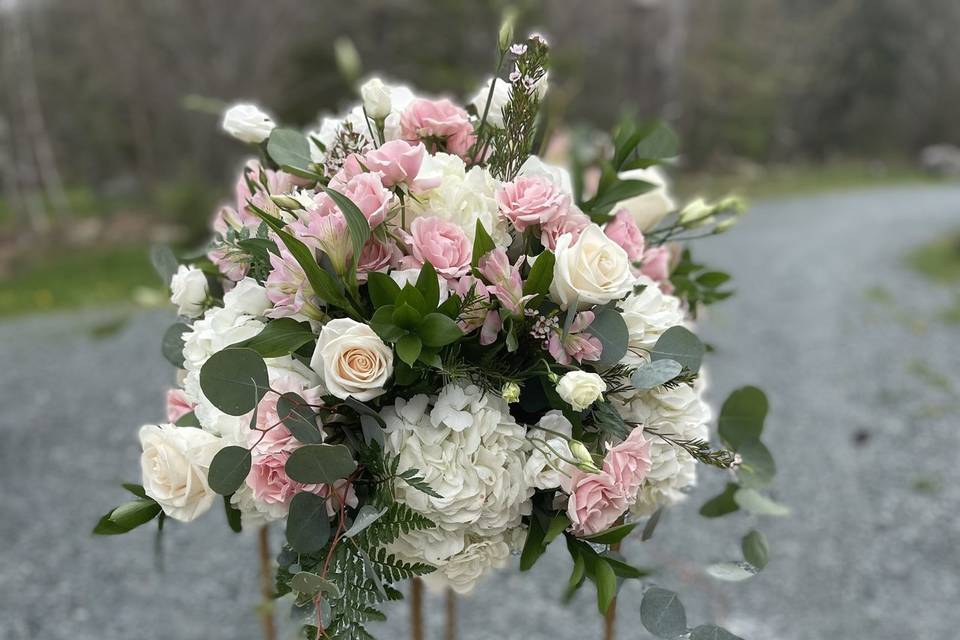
442	244
623	230
397	162
573	222
440	124
629	462
367	192
178	405
596	501
531	200
377	256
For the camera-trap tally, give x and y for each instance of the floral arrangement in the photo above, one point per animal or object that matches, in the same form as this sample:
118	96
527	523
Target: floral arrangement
421	348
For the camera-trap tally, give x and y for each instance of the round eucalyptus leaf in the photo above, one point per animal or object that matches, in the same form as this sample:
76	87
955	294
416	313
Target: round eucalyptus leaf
742	416
320	464
654	374
755	549
662	614
759	504
712	632
680	345
228	469
172	344
308	525
299	418
731	571
234	380
610	329
311	584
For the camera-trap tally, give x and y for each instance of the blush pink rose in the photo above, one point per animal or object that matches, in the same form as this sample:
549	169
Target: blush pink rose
623	230
367	192
397	162
629	463
178	405
439	124
656	265
531	200
596	501
442	244
573	222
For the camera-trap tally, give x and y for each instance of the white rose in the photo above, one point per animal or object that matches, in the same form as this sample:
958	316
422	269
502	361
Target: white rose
174	463
501	96
649	208
595	270
351	360
580	389
248	297
189	290
376	98
246	122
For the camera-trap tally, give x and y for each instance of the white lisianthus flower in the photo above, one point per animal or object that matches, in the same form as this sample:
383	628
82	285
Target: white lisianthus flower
477	468
174	465
189	291
462	197
246	122
376	98
592	270
649	208
351	360
501	96
679	413
546	467
647	315
580	389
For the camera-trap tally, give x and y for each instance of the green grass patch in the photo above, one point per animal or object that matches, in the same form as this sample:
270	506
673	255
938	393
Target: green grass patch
939	260
72	278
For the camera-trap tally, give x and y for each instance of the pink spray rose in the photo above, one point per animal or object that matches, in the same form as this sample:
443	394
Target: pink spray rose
367	192
623	230
531	200
442	244
438	123
178	405
397	162
572	222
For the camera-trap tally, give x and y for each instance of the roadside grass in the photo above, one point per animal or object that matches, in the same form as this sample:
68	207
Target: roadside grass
939	260
73	278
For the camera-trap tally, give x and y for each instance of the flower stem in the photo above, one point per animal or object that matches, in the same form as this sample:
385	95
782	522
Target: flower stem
266	584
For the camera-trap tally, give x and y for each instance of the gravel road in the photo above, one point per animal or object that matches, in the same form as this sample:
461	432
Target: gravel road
863	380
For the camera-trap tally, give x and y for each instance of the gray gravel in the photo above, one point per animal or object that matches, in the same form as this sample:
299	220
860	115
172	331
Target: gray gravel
865	436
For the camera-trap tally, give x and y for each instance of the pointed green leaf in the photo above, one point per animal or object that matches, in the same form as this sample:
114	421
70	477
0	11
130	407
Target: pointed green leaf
606	581
382	289
297	416
612	535
429	286
437	330
356	222
482	244
289	148
408	349
279	338
541	275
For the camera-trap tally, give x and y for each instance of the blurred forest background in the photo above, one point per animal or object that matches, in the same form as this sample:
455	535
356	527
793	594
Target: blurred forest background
109	112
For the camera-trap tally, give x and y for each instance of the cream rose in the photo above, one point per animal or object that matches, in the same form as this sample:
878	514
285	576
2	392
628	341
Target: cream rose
592	270
189	291
649	208
247	123
351	360
174	464
580	389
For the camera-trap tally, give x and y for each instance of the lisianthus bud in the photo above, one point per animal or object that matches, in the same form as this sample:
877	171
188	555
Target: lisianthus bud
376	99
505	37
695	213
510	392
247	123
732	204
348	60
725	224
584	459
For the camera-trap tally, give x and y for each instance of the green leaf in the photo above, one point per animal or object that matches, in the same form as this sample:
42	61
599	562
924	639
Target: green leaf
742	416
757	468
622	568
406	316
297	416
365	410
755	549
356	222
610	329
127	517
722	504
320	463
612	535
136	489
606	581
579	572
164	263
712	632
228	469
308	526
310	584
654	374
382	289
234	518
366	516
482	244
533	546
609	421
172	344
234	380
651	525
662	614
759	504
712	279
188	420
620	190
408	348
438	330
279	338
731	571
679	344
558	524
658	142
289	148
541	275
429	286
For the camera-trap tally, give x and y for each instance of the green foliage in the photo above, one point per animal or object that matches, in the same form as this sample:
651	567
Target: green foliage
662	613
356	223
742	416
759	504
680	345
603	569
171	346
279	338
540	277
320	463
755	549
610	329
228	469
721	504
482	244
712	632
653	374
612	535
297	416
128	516
308	525
164	263
697	284
234	519
608	420
291	151
397	519
234	380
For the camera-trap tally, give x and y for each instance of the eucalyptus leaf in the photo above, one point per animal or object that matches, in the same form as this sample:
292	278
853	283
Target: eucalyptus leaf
228	469
651	525
712	632
759	504
366	516
234	517
279	338
662	614
731	571
654	374
320	464
680	345
289	148
234	380
610	329
757	468
172	344
311	584
308	525
742	416
164	262
297	416
722	504
755	549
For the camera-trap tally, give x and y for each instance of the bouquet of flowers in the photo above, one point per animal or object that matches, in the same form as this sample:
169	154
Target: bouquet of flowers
421	348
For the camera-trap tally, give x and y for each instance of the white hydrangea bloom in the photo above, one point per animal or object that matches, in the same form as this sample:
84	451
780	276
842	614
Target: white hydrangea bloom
477	470
462	197
648	314
253	512
680	413
545	468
